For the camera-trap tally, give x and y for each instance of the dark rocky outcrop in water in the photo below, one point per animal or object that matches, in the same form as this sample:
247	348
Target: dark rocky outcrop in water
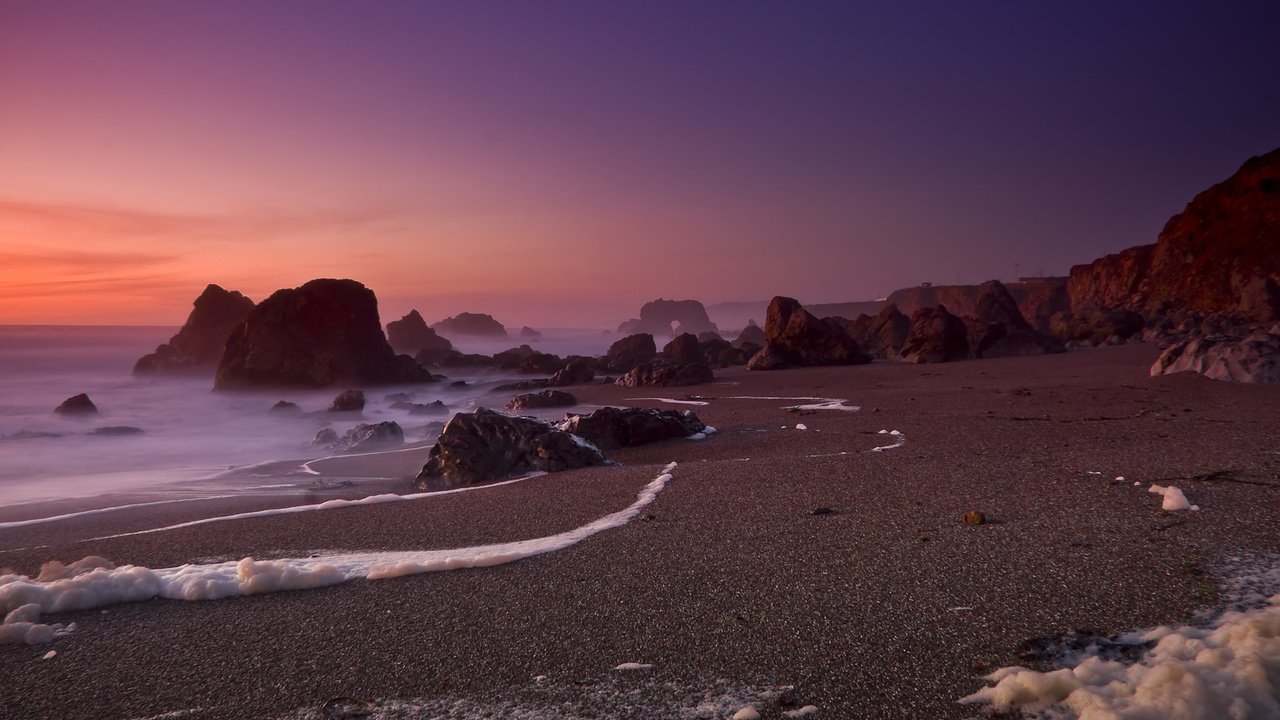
794	337
629	352
364	437
527	360
529	333
612	427
485	445
323	333
284	407
470	324
544	399
77	405
203	338
936	336
662	374
1220	255
666	318
117	430
1254	358
411	334
348	401
578	371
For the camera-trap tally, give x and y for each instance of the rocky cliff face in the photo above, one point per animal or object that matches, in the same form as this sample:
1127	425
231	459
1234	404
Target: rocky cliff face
1221	255
202	338
1037	298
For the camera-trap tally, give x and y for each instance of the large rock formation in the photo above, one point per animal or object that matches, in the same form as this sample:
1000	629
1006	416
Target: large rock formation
1001	331
1219	255
77	405
936	336
665	318
881	336
203	337
485	445
470	324
795	337
322	333
1038	299
612	427
1251	359
662	374
544	399
578	371
629	352
411	334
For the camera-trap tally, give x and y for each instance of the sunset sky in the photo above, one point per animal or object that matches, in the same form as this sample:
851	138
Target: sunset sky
559	163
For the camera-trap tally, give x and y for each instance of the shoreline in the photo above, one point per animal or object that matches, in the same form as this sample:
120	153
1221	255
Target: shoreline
733	583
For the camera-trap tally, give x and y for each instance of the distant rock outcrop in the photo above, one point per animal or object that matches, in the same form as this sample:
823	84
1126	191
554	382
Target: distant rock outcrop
794	337
470	324
348	401
1090	326
935	336
629	352
666	318
485	445
1001	331
752	334
322	333
1220	255
411	334
529	333
662	374
612	427
1038	299
77	405
1251	359
203	338
579	371
544	399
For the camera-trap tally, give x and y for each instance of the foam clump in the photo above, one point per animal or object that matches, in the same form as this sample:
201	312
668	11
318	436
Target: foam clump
1192	673
1174	499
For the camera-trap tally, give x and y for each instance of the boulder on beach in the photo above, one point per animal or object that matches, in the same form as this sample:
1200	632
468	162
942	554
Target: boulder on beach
348	401
485	445
203	337
629	352
323	333
544	399
662	374
1251	359
77	405
1089	325
1001	331
935	336
411	334
578	371
683	348
612	427
466	323
794	337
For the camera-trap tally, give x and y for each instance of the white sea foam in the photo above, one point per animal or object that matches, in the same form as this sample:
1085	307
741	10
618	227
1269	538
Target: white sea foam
819	403
898	441
1174	499
97	511
93	585
670	400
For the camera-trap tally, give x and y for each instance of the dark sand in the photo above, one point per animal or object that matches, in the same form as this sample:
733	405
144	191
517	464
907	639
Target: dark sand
732	584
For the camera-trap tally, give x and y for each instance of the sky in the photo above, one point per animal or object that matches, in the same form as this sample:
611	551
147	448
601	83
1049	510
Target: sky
559	163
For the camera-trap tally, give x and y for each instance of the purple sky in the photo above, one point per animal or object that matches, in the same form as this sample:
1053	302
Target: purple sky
559	163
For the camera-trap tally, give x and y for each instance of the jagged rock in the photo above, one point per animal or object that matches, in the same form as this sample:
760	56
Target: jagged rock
752	334
658	317
576	372
1006	332
544	399
881	335
77	405
529	333
322	333
117	430
629	352
203	338
796	338
682	349
326	437
720	353
1219	255
1089	326
707	337
375	436
527	360
485	445
767	358
1252	359
286	407
1037	299
470	324
666	375
523	385
348	401
435	407
612	427
935	336
411	334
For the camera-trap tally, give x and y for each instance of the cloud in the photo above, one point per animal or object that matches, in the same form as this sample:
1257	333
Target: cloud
51	260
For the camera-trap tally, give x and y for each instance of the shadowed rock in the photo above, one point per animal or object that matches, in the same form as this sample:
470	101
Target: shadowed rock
936	336
323	333
203	337
658	374
579	371
612	427
470	324
659	317
794	337
1001	331
544	399
348	401
629	352
77	405
752	334
484	446
1252	359
410	334
529	333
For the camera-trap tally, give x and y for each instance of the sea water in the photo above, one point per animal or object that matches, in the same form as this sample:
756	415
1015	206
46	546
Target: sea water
192	439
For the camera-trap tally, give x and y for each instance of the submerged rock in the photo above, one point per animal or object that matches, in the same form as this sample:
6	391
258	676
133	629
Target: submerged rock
544	399
116	430
364	437
286	408
611	427
348	401
203	337
485	445
77	405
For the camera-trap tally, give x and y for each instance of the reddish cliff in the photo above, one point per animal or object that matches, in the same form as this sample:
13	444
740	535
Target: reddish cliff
1038	299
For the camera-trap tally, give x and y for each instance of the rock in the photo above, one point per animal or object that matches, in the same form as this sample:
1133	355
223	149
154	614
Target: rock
629	352
822	511
936	336
326	437
611	427
1006	332
116	430
454	358
348	401
470	324
708	336
1090	326
576	372
320	334
203	337
412	335
485	445
659	374
752	334
1252	359
883	335
1219	255
398	397
77	405
658	317
797	338
436	407
529	333
720	353
365	437
1038	299
973	517
544	399
286	407
767	358
683	349
527	360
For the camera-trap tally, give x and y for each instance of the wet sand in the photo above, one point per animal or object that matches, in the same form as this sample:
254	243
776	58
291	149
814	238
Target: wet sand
728	583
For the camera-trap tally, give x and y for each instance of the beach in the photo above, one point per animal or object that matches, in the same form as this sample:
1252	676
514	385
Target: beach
735	581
